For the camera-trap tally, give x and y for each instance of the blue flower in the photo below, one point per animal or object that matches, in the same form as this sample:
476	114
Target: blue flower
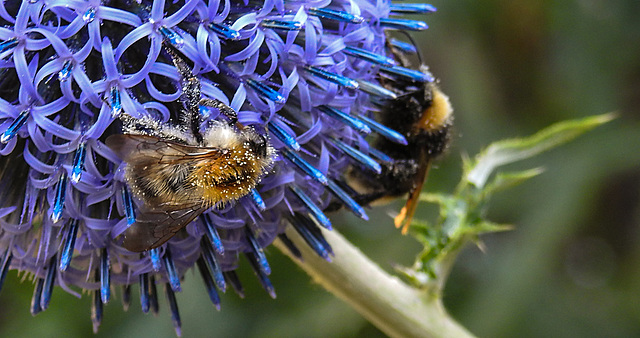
306	72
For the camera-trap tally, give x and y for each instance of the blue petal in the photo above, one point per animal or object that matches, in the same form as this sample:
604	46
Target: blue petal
213	265
105	277
61	193
169	266
257	199
312	207
212	234
281	24
153	295
65	73
232	278
224	31
403	24
89	15
170	35
304	166
346	119
405	47
347	200
208	282
411	74
332	77
175	313
69	244
15	126
126	297
154	255
284	137
412	8
49	282
37	294
359	156
332	14
369	56
376	90
4	267
266	91
383	130
144	292
115	102
257	251
289	244
128	206
262	276
78	162
303	226
96	311
380	155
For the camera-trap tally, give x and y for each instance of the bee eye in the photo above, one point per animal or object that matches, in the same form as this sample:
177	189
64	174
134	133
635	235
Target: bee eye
258	145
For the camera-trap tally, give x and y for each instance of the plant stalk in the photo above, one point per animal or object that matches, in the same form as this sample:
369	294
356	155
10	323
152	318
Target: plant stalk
396	308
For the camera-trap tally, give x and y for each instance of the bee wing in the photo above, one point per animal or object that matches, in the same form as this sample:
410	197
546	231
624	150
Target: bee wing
153	227
146	149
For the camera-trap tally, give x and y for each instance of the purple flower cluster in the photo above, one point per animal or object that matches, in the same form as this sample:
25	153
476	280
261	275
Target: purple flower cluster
306	72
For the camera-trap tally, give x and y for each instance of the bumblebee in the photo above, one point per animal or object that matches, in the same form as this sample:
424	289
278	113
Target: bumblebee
423	115
176	172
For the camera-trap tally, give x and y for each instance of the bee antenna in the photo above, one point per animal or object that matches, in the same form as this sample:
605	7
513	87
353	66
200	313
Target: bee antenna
415	44
177	60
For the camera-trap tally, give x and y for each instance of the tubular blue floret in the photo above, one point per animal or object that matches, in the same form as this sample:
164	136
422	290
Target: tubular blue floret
282	135
208	282
314	210
175	313
224	31
126	297
105	277
172	273
49	280
331	14
332	77
144	292
411	8
232	278
213	266
346	119
212	234
262	276
369	56
358	156
257	251
381	129
281	24
78	162
257	199
309	77
154	255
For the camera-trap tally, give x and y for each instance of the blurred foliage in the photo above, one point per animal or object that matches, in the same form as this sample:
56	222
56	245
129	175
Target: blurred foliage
571	265
463	213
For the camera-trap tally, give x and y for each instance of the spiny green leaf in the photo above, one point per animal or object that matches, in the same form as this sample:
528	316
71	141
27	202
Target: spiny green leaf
505	180
488	226
509	151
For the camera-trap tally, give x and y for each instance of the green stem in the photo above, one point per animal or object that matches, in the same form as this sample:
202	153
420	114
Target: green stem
396	308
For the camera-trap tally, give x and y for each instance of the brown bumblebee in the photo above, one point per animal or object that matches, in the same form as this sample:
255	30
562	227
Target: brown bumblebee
423	115
176	173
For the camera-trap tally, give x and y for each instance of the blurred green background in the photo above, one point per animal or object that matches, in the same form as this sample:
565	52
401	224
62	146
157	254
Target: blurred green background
571	267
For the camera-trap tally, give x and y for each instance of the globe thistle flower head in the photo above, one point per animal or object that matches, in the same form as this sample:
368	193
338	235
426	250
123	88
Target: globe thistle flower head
305	75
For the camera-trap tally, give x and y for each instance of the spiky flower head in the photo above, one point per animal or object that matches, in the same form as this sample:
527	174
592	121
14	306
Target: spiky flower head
306	73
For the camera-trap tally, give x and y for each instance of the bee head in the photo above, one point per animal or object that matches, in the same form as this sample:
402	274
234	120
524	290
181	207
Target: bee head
257	143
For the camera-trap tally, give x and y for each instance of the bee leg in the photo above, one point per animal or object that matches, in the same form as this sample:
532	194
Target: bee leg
191	91
223	108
